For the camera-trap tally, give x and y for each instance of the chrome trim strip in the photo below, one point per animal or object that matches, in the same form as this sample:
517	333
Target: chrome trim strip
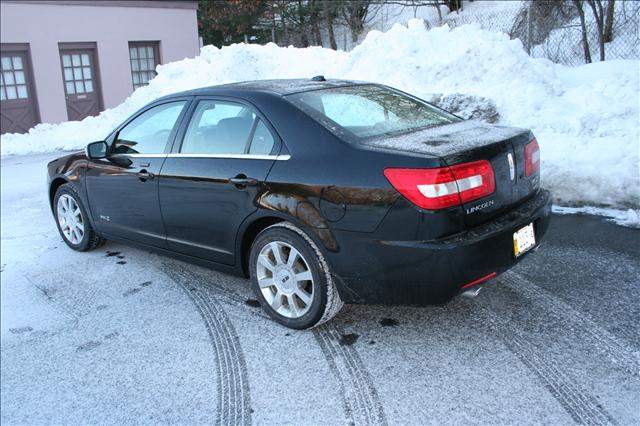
193	244
230	156
139	155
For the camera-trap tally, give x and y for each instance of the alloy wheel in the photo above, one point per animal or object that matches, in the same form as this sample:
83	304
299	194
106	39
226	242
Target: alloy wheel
285	279
70	218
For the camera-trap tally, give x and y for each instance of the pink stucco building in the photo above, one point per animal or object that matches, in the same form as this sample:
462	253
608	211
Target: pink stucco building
65	60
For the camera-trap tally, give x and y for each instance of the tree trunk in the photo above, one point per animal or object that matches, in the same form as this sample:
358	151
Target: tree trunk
583	25
354	33
596	7
315	27
328	17
332	35
608	25
529	29
273	25
453	5
304	37
316	33
355	14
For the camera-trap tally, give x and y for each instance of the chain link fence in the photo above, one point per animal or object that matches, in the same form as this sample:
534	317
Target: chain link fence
552	30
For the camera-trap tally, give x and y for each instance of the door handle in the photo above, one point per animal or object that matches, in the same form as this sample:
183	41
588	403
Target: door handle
144	175
242	181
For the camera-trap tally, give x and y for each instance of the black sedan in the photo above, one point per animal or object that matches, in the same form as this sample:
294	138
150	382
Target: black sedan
322	191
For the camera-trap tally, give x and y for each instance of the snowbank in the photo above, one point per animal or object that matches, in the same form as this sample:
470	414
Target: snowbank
586	118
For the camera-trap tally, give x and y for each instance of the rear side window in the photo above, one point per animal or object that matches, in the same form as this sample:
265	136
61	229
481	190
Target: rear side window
262	141
365	111
219	128
149	132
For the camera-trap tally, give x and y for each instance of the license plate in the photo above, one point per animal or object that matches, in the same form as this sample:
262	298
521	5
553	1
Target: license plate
523	239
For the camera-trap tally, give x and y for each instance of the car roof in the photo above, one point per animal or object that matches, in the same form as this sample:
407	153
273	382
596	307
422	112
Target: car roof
277	86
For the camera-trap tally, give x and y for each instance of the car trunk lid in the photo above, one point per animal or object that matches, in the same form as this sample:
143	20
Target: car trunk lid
469	141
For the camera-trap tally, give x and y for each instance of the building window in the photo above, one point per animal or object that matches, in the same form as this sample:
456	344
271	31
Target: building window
12	79
144	57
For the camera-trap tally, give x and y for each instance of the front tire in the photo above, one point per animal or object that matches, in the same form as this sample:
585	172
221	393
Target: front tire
72	220
291	278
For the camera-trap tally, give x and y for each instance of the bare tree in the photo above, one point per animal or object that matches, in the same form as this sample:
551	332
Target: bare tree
329	8
314	11
598	14
301	22
454	5
358	13
295	21
436	4
608	24
416	4
583	25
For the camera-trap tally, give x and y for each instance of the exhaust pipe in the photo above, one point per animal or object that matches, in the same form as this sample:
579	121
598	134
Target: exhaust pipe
471	292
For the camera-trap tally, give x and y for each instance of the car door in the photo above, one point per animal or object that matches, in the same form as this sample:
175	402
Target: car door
211	181
123	189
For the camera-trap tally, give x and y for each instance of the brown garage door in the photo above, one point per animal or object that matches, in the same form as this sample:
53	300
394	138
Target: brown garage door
80	83
18	110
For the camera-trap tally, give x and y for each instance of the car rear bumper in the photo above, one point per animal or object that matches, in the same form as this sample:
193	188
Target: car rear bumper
426	272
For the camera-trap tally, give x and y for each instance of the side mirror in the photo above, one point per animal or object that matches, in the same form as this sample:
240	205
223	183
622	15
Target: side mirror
97	150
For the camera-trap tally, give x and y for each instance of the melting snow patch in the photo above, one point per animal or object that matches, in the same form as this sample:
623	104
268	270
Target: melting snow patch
629	218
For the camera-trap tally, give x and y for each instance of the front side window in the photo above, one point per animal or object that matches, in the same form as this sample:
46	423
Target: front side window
149	132
220	128
144	58
366	111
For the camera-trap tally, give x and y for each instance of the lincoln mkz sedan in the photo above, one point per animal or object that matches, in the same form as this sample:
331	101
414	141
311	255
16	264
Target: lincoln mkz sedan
323	192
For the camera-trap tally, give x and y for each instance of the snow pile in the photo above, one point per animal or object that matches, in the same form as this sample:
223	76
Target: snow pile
585	118
467	107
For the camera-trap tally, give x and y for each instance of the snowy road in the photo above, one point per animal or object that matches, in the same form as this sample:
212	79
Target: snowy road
119	335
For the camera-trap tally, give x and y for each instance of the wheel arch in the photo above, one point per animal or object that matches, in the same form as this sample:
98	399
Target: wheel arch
53	188
262	219
249	235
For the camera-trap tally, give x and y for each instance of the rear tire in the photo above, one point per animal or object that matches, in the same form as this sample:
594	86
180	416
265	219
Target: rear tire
291	278
72	220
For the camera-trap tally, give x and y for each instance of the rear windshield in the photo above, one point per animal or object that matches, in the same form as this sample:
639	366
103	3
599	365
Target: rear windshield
367	111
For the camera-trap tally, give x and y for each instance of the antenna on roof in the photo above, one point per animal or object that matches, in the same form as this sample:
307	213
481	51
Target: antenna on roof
318	78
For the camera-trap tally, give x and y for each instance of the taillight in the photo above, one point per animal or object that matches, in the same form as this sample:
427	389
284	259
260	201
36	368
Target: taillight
444	187
531	157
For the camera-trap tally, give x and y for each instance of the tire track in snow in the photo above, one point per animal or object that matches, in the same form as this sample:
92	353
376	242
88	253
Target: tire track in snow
233	399
590	264
619	352
360	399
75	301
206	279
578	403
